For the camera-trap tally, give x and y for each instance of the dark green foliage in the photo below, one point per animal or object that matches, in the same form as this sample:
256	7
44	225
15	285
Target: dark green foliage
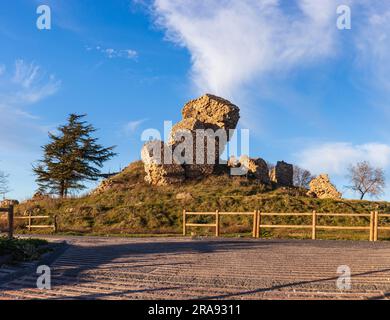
22	249
71	158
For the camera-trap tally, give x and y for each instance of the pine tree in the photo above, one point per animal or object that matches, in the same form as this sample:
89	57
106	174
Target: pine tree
71	158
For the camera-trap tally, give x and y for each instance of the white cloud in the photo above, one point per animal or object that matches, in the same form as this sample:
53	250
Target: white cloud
334	158
28	84
114	53
373	43
25	74
20	88
132	126
233	42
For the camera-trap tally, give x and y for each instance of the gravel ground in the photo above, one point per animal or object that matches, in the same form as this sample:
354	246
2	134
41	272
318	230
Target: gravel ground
182	268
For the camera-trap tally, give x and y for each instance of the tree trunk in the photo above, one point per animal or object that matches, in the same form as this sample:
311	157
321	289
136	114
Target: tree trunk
62	189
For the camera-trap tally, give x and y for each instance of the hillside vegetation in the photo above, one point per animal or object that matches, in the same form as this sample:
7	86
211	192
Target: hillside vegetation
132	206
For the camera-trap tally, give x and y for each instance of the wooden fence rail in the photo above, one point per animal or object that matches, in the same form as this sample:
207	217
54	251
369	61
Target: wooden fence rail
258	225
30	219
217	223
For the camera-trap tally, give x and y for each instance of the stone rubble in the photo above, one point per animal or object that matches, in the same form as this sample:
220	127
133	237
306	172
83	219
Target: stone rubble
322	188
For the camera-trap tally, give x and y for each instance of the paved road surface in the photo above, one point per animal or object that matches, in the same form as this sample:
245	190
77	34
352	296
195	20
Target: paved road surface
178	268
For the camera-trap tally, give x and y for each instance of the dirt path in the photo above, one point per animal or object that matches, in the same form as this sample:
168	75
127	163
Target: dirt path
177	268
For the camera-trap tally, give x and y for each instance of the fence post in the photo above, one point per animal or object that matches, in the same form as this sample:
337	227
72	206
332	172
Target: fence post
376	226
11	222
217	223
184	223
29	221
55	224
254	231
314	226
258	224
372	217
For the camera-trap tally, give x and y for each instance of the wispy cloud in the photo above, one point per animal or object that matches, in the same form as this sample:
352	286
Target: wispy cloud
27	85
132	126
334	158
233	42
373	44
114	53
24	85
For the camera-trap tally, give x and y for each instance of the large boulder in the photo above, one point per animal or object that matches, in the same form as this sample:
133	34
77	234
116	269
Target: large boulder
160	168
322	188
283	174
211	109
203	134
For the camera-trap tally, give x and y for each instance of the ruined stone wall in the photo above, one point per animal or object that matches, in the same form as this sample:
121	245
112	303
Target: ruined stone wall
256	168
283	174
322	188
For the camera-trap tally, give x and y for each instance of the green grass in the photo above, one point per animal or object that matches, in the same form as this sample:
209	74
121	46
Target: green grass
132	207
22	249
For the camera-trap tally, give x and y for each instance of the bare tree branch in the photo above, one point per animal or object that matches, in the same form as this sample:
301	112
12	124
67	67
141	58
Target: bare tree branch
4	185
366	180
302	177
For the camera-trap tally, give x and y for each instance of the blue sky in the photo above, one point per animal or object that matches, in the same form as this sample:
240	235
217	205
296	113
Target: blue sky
310	93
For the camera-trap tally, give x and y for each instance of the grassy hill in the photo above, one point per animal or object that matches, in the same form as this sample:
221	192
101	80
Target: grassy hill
131	206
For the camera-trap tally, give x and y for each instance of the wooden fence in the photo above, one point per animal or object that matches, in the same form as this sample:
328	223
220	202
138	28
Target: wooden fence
30	219
373	228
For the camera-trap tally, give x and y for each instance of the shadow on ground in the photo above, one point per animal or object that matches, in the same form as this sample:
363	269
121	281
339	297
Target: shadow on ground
72	273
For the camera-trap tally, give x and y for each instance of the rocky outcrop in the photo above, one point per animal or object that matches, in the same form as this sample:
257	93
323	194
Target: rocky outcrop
282	174
213	110
256	168
322	188
103	187
161	170
196	142
184	196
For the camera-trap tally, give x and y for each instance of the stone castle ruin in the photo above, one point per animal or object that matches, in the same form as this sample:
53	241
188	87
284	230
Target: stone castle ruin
196	144
199	139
